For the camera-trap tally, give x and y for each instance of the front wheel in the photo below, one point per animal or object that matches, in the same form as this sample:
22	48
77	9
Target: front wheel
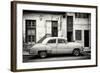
76	52
43	54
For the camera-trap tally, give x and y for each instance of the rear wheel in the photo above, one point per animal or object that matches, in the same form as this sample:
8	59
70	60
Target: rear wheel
43	54
76	52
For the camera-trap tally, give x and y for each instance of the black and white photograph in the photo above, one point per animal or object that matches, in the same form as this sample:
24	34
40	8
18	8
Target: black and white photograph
52	36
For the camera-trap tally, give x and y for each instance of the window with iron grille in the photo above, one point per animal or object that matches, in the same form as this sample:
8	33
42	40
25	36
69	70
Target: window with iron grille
81	15
30	31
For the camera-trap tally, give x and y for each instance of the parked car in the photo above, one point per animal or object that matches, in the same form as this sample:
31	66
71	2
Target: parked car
56	45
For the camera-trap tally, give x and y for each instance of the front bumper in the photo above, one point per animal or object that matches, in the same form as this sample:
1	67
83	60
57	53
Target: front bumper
31	52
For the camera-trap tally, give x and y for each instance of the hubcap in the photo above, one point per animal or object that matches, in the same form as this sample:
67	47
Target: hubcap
76	52
43	54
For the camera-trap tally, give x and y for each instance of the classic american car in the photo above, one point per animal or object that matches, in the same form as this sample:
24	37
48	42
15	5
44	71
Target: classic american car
56	45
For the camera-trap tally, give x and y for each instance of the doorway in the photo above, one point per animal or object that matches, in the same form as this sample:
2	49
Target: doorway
70	28
86	38
69	36
54	29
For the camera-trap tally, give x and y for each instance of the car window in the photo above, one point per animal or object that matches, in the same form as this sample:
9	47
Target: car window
52	41
61	41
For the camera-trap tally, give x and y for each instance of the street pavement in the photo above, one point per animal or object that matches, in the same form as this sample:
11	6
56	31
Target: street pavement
29	58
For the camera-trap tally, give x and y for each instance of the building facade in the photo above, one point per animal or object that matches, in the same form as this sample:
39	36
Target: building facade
39	25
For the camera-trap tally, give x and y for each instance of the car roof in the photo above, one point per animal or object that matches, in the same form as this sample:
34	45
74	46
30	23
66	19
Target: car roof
45	41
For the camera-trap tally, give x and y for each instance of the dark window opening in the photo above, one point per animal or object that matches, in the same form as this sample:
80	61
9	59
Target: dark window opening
86	38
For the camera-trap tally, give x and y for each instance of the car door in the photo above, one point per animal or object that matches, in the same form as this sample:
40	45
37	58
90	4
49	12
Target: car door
62	47
52	46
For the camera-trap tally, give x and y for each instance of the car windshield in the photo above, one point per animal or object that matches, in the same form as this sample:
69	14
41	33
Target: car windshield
40	41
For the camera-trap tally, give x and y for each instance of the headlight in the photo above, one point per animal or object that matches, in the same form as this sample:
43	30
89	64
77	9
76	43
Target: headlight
30	51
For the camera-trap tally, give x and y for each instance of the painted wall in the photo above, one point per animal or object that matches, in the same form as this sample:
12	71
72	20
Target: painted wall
44	25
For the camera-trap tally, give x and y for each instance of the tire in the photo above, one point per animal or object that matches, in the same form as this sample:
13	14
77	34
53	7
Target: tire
76	52
42	54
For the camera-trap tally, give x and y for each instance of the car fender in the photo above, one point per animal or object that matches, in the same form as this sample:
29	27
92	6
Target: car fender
75	45
48	49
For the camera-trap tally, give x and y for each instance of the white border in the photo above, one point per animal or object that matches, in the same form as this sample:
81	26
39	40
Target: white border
34	65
